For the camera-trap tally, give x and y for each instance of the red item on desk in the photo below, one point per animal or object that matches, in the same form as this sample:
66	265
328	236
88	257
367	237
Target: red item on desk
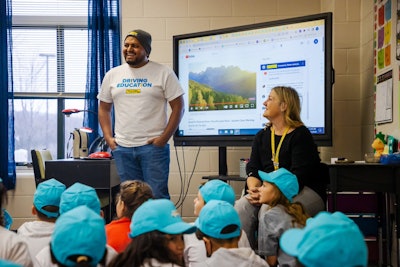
100	155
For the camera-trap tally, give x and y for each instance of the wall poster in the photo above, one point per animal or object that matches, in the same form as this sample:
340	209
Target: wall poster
384	98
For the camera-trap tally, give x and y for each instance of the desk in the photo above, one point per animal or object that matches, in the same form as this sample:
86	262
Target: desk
371	177
99	174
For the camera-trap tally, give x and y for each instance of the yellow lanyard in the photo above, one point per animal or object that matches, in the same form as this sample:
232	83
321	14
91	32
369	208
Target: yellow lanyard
275	157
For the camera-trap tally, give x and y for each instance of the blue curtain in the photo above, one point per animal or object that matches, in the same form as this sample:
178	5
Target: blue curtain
7	161
104	53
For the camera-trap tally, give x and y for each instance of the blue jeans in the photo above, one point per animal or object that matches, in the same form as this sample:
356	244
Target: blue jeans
148	163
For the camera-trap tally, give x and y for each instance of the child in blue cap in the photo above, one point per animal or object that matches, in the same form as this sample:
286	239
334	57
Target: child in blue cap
75	196
277	191
219	227
46	204
156	232
195	252
80	194
12	247
79	239
329	240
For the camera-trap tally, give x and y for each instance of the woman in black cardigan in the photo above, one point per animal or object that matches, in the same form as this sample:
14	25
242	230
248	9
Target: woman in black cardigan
284	142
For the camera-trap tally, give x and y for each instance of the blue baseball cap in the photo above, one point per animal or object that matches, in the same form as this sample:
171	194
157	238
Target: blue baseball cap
48	193
79	194
284	180
6	263
79	232
328	239
215	216
160	215
217	190
8	220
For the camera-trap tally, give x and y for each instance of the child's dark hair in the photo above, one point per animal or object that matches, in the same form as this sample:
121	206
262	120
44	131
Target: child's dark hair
81	260
151	245
48	208
3	200
226	230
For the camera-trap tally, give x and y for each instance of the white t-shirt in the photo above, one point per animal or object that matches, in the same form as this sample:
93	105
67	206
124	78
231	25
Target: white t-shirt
140	97
43	258
13	248
37	235
195	251
156	263
237	257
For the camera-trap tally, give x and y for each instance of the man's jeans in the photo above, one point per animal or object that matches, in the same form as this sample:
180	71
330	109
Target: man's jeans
148	163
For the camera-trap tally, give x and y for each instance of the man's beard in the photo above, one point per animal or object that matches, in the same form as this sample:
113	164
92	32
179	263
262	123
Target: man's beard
133	62
137	61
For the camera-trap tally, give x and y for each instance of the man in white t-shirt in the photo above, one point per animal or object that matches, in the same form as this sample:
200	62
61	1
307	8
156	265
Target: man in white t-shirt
140	91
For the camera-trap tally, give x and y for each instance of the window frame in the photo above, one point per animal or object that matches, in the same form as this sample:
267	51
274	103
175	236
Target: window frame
59	23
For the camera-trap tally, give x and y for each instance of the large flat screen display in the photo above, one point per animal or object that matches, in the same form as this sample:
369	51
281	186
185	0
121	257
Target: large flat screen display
228	73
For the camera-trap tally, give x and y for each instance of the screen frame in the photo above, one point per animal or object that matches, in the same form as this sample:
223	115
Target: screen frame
325	139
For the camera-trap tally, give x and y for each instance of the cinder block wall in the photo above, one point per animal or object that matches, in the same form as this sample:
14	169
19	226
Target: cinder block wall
20	200
353	107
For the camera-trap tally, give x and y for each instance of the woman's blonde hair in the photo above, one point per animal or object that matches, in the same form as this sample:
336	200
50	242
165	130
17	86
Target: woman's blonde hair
133	193
291	98
296	209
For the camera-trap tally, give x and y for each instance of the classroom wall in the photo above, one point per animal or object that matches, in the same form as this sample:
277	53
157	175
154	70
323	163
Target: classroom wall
353	106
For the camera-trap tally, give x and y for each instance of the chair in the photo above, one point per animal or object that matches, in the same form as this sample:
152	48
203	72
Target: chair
39	158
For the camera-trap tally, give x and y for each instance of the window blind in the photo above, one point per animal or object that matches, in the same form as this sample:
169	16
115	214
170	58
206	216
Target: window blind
49	47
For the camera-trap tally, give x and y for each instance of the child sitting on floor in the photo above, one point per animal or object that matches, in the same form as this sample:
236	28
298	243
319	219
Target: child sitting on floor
195	252
12	247
46	204
219	228
277	191
131	195
329	240
156	232
79	239
74	196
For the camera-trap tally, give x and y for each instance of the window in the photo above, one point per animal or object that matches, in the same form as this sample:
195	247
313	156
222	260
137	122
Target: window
49	73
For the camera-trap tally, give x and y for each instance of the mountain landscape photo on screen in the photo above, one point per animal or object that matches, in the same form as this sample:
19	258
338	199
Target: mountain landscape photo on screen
222	88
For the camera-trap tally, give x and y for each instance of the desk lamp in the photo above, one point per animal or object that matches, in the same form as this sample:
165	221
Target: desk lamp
80	137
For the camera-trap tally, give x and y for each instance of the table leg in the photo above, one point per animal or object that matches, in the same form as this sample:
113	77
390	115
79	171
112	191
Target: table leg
388	229
110	206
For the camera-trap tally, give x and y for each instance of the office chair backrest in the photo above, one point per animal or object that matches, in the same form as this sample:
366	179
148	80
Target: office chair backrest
39	158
